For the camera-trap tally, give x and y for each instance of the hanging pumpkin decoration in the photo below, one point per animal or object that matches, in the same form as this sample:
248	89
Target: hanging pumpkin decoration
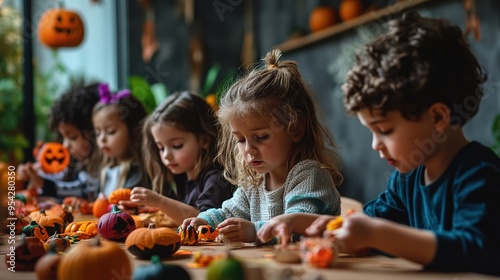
26	254
100	206
321	18
46	266
53	157
159	270
36	230
207	233
60	28
189	235
115	225
146	242
349	9
97	259
60	243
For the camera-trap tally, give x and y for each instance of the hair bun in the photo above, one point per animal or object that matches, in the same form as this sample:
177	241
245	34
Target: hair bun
272	58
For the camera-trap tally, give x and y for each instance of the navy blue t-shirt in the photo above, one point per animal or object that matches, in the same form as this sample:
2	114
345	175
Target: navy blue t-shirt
462	208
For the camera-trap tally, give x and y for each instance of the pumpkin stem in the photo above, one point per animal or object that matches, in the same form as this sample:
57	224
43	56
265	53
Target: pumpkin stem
96	242
151	226
115	209
155	259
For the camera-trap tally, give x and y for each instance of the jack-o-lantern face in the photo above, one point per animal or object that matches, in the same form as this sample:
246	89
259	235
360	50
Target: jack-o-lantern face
60	28
53	157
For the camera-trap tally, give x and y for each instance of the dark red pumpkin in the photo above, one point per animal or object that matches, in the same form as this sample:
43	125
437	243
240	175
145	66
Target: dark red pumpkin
60	28
207	233
28	251
189	235
115	225
53	157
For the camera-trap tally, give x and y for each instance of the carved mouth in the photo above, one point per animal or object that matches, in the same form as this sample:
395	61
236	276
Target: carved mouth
68	31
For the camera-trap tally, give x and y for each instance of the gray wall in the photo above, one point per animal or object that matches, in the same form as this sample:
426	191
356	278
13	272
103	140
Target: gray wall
324	65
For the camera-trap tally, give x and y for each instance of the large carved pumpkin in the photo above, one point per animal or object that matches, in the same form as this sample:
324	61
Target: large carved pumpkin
60	28
146	242
53	223
53	157
97	259
115	225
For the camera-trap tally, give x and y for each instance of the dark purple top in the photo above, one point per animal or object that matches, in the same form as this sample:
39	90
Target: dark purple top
208	191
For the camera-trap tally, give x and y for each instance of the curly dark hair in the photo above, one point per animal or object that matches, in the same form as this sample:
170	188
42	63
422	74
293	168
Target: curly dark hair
75	107
418	62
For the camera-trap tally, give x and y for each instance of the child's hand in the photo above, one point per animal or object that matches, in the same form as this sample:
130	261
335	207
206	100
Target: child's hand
236	229
319	225
357	232
28	172
143	196
280	226
194	222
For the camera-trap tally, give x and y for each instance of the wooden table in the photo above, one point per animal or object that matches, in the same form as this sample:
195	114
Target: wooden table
260	266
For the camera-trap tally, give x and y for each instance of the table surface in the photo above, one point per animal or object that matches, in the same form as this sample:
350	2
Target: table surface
259	264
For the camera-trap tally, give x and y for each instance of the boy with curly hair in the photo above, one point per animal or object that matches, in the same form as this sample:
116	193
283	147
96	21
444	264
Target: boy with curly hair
414	88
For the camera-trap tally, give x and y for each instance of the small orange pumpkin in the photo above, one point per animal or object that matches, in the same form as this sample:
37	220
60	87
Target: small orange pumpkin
60	28
147	242
46	266
53	157
119	194
53	223
36	230
321	18
98	259
100	206
207	233
189	235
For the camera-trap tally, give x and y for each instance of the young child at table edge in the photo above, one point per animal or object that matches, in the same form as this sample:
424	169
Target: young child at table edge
414	88
275	149
181	140
71	120
117	120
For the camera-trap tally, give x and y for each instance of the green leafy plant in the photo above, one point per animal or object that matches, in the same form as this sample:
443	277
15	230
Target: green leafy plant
12	140
495	129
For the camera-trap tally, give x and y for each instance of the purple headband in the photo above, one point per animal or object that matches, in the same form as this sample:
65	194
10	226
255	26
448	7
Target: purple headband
107	98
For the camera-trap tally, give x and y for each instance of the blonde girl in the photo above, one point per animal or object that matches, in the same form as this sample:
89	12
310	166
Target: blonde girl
117	124
181	144
275	149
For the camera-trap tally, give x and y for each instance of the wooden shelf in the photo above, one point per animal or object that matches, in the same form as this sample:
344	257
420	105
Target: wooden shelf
297	43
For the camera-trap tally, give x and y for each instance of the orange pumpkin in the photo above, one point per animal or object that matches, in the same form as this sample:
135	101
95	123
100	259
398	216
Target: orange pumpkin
119	194
53	223
98	259
46	266
60	28
53	157
321	18
146	242
100	206
36	230
350	9
207	233
189	235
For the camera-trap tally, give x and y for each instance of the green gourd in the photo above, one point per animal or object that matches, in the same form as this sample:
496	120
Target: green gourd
226	269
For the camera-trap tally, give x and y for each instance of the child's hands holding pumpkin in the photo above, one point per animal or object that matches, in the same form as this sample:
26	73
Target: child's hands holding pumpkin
236	229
